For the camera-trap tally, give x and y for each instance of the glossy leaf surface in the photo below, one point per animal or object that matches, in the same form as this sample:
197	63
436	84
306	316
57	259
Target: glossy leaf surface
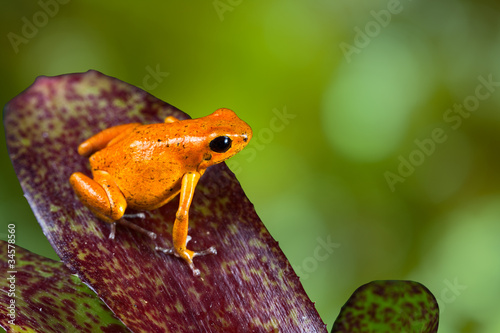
249	286
40	295
389	306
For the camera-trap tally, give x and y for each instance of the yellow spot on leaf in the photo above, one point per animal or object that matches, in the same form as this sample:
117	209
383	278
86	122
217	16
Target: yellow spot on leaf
25	142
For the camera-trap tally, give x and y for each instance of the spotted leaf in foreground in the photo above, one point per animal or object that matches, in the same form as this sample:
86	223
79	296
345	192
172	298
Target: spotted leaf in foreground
389	306
41	295
249	286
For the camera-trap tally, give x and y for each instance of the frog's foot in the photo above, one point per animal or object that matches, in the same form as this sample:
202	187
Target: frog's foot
132	226
188	255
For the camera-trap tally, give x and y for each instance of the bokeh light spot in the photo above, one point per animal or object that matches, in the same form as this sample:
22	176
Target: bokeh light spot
368	104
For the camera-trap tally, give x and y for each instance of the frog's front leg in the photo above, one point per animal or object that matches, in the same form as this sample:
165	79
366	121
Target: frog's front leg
103	197
180	229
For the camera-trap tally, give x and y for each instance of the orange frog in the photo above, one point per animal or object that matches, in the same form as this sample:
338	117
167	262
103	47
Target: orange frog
145	166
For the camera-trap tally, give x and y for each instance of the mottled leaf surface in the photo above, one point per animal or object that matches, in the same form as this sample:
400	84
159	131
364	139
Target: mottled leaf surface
249	286
389	306
47	298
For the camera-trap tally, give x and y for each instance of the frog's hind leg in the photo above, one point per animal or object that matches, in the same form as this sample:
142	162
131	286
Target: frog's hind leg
103	197
100	195
170	119
105	138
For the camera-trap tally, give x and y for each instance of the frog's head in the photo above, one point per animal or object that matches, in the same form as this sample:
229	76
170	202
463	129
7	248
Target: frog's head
226	135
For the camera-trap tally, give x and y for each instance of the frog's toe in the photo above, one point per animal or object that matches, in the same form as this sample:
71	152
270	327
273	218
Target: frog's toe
167	251
188	255
112	233
135	216
210	250
132	226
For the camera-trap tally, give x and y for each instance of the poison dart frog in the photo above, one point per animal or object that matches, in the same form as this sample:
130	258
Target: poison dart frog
145	166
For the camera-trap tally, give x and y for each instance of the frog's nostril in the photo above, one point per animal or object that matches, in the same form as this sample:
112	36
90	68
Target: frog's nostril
245	138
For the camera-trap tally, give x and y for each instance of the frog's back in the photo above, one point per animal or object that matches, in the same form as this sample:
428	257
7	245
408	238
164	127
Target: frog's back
148	164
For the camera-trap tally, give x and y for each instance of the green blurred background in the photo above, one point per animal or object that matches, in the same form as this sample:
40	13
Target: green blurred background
361	165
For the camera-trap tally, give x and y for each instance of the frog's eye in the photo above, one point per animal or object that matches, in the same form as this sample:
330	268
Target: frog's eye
220	144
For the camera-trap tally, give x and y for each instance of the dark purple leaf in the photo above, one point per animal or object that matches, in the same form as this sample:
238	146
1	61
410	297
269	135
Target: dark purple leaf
41	295
389	306
249	286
